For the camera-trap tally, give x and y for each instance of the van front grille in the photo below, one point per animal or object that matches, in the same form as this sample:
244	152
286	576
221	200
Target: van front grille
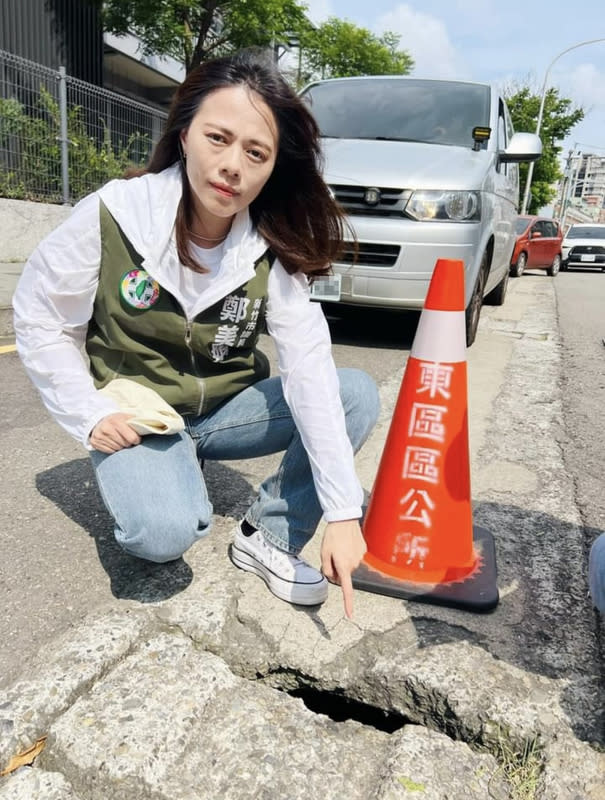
353	199
371	255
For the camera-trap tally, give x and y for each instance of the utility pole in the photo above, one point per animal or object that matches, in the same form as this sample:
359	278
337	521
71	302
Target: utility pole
564	186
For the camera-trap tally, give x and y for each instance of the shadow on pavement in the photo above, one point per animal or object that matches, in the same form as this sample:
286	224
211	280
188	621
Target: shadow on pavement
73	489
382	328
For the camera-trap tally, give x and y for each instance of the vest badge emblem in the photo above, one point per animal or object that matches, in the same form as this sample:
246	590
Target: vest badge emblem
138	289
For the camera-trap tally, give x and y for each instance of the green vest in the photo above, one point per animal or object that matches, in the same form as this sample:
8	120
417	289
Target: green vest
139	331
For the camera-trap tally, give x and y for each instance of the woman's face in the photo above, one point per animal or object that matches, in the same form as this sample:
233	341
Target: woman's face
230	148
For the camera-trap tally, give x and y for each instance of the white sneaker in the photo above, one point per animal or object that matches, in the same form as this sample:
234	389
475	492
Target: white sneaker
287	576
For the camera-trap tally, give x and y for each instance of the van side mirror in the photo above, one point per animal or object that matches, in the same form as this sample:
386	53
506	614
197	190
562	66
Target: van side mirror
536	235
522	147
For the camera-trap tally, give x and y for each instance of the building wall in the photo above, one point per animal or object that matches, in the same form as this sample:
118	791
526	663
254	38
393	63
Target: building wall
55	33
590	180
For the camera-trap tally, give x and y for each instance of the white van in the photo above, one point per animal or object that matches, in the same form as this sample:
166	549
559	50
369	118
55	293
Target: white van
425	169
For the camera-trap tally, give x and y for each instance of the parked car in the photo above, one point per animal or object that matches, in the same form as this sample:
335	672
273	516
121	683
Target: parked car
584	246
538	245
425	169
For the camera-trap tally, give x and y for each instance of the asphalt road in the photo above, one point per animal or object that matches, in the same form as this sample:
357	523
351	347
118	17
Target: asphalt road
581	309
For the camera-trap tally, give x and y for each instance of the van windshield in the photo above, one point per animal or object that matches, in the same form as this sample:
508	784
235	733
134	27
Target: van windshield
404	109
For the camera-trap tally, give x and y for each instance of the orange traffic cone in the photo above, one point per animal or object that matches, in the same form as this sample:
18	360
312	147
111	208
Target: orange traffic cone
418	526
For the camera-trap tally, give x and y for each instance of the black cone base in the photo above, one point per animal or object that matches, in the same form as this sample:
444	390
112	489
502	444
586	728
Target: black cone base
477	592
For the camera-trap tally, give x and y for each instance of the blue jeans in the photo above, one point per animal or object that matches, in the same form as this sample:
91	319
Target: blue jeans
156	492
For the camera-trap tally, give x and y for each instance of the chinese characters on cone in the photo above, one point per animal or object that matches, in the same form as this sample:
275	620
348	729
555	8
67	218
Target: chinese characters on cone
418	527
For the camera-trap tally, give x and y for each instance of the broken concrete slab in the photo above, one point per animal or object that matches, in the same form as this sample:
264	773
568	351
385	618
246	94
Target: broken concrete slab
66	669
572	771
36	784
171	721
428	765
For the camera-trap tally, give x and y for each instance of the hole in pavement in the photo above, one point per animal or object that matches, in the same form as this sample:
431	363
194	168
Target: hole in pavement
340	708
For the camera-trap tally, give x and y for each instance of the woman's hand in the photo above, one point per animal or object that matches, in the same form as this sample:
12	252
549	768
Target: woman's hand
113	433
342	549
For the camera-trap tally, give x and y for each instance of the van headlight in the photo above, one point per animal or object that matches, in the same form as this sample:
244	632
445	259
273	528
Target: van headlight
444	205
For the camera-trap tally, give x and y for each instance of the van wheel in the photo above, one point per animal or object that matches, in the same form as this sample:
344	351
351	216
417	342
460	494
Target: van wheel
473	310
498	293
555	266
519	268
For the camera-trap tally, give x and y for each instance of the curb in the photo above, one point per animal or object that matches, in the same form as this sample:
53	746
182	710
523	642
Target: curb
10	273
6	321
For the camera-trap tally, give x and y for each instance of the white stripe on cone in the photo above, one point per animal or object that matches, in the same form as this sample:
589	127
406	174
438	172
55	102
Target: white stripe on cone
440	337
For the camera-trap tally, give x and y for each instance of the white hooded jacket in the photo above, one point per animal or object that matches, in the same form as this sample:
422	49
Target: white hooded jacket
54	302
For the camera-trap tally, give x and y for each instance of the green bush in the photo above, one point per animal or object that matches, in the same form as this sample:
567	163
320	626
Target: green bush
30	152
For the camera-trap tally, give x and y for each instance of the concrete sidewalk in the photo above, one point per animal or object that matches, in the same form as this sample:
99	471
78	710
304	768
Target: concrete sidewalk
220	690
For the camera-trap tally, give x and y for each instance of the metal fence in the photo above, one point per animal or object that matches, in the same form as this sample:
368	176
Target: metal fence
61	138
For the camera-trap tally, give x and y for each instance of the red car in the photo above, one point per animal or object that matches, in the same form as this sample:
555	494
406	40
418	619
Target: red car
538	246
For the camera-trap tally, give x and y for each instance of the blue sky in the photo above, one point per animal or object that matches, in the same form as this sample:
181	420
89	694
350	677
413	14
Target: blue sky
504	41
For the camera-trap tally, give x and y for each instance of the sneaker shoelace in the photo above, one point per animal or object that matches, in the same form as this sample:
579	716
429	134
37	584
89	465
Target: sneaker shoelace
275	553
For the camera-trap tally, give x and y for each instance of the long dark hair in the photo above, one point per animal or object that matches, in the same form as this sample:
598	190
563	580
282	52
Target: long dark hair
294	211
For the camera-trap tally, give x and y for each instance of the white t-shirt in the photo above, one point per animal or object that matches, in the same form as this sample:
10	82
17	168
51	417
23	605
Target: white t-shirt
192	284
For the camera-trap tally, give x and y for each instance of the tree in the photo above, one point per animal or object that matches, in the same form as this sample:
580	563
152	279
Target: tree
193	30
559	117
338	49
